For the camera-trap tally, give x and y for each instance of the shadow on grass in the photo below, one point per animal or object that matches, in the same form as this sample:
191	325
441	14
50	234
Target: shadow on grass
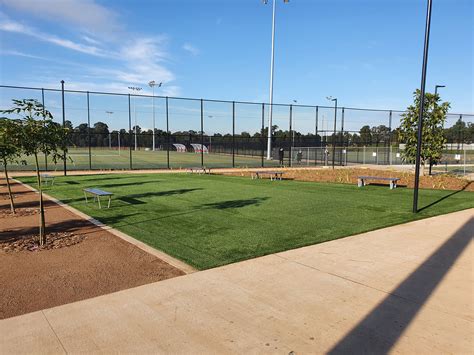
235	203
118	220
445	197
135	183
379	331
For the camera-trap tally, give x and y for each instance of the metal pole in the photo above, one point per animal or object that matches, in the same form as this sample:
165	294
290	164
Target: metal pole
334	137
89	131
269	141
390	138
168	133
202	134
153	104
263	139
316	137
233	134
422	107
130	130
64	125
342	136
291	132
45	156
135	115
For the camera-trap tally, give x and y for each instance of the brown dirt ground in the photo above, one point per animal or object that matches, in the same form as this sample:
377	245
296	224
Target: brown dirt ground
349	176
99	264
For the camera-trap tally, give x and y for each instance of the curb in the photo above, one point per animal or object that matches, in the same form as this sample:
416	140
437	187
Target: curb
150	250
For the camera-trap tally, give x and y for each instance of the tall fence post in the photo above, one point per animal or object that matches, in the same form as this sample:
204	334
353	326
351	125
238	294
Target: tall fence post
168	135
233	134
263	138
342	138
390	138
64	125
89	132
202	134
316	138
45	156
130	131
291	135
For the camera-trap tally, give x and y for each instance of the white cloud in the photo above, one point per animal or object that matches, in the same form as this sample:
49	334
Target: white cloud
134	60
85	14
190	48
21	54
16	27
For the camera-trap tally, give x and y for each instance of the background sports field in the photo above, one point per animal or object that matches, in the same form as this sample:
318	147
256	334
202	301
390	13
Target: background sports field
211	220
114	159
108	159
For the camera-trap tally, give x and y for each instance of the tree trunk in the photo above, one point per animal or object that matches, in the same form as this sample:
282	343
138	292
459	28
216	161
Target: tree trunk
42	236
431	165
12	204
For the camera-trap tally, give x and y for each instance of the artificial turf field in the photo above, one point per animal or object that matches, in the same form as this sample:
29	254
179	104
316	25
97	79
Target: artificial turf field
106	159
212	220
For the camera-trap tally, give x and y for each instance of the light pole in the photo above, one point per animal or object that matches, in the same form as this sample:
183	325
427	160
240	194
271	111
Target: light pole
133	89
330	98
422	107
438	86
110	113
210	138
270	112
152	84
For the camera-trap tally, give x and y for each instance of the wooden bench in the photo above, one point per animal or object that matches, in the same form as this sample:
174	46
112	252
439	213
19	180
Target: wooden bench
97	193
274	175
361	180
199	170
45	178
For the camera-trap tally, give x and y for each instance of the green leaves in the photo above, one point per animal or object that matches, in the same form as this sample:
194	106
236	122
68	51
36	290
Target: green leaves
10	146
433	140
36	131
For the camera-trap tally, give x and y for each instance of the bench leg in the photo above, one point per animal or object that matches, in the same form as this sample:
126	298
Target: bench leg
85	195
98	199
391	185
360	182
110	198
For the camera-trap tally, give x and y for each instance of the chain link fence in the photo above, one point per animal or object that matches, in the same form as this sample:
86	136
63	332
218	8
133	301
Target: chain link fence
126	131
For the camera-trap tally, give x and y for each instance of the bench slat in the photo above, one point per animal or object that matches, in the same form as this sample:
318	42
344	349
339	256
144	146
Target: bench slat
98	192
377	178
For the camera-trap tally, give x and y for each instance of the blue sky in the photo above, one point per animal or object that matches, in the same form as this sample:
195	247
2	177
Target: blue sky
367	53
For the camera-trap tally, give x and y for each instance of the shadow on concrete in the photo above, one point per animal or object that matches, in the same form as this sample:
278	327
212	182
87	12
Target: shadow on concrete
383	326
445	197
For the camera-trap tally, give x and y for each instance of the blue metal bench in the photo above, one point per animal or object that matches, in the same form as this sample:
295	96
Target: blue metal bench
97	193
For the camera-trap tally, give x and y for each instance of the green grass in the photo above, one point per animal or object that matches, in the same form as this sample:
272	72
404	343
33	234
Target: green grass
208	220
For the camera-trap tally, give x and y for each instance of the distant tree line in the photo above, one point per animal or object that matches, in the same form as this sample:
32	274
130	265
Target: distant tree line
101	136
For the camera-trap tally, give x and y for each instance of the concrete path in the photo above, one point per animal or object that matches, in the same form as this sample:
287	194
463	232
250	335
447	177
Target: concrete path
404	289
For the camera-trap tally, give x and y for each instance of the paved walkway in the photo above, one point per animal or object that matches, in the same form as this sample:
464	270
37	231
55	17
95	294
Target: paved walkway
406	289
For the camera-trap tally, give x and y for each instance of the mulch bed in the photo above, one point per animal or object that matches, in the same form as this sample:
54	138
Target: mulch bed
30	242
79	260
19	212
349	176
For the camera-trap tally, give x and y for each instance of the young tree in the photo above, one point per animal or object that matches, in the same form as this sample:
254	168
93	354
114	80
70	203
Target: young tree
433	140
10	149
39	134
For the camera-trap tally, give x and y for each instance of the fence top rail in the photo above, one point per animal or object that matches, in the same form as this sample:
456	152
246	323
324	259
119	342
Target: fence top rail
215	100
